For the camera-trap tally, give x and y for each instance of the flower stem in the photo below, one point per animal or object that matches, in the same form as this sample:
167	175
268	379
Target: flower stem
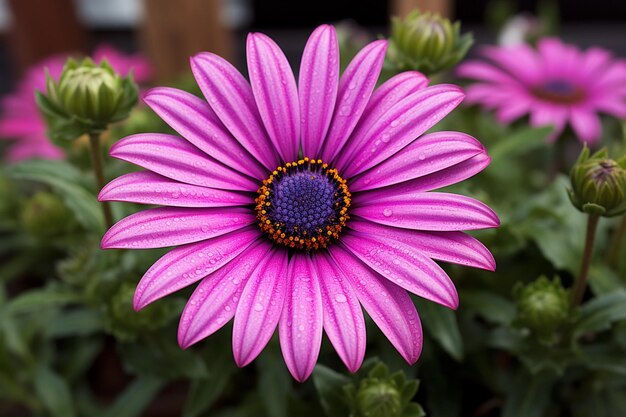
581	282
616	242
98	169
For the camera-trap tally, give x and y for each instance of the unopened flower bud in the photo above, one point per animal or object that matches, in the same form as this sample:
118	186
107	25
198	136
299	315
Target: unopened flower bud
426	42
379	399
45	215
86	99
598	184
543	306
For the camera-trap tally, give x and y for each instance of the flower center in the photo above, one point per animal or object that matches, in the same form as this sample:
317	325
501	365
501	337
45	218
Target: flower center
303	205
559	91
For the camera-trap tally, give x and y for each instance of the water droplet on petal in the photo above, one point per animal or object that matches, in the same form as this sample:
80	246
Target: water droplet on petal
387	212
258	307
340	298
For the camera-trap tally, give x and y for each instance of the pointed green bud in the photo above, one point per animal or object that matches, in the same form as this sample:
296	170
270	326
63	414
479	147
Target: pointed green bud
426	42
45	215
379	399
598	184
86	99
543	306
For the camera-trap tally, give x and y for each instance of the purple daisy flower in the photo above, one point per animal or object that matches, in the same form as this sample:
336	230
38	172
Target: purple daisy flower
278	239
555	84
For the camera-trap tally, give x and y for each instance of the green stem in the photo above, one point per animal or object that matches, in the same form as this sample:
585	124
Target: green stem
581	282
98	169
616	242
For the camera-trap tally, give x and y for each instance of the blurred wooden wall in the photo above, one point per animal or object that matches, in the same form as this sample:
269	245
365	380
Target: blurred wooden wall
404	7
174	30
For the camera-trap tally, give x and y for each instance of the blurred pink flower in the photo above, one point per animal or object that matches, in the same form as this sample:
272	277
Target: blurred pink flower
555	84
298	246
21	120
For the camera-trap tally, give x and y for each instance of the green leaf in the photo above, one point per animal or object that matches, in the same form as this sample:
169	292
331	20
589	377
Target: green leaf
274	382
329	385
413	410
136	397
600	313
605	358
54	393
441	324
528	396
490	306
79	322
66	180
34	300
520	142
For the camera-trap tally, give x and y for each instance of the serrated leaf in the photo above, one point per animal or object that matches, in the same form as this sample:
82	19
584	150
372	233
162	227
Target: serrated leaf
66	180
329	385
136	397
441	324
54	393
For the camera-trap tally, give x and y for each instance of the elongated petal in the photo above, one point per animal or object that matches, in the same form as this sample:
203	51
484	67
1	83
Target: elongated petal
483	71
402	124
455	247
429	154
231	98
386	96
300	327
187	264
150	188
586	124
176	158
194	120
520	61
387	304
443	178
275	93
355	88
171	226
260	308
427	211
404	266
317	87
343	319
215	300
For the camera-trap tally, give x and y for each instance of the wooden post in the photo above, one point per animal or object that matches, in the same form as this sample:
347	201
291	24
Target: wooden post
175	30
403	7
41	28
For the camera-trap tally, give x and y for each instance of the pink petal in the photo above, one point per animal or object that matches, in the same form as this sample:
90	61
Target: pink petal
175	158
387	304
300	328
260	307
514	109
355	88
168	226
231	98
151	188
431	153
187	264
546	114
586	124
443	178
343	319
482	71
318	84
402	124
403	265
386	96
194	120
215	300
454	247
426	211
275	93
521	61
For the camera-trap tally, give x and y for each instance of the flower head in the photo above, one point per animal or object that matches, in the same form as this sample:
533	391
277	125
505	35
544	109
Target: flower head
21	119
302	242
556	84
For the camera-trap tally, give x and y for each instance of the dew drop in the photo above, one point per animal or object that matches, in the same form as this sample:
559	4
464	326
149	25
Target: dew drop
387	212
340	298
258	307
